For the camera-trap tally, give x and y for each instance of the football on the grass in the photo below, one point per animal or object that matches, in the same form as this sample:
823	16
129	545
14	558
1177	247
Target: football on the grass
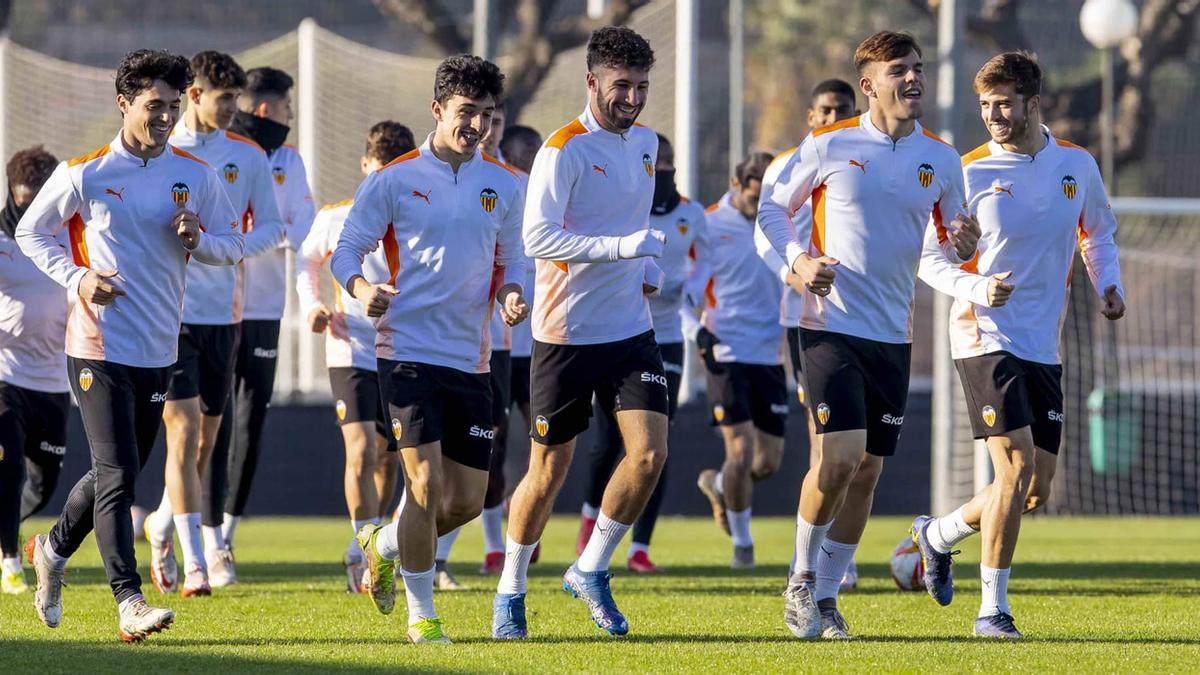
908	569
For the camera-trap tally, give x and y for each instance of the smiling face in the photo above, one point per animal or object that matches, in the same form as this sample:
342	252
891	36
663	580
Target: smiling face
150	117
1007	115
617	95
896	87
462	121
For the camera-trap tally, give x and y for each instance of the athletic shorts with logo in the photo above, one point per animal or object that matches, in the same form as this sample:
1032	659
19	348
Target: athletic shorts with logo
741	392
855	383
33	423
501	367
1005	392
357	398
623	375
672	358
428	403
204	367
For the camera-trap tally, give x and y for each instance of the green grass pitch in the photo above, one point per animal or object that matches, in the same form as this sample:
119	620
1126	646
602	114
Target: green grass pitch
1111	595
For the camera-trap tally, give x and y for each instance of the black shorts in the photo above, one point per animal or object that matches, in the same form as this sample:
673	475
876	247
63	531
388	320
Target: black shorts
205	364
501	367
856	383
357	399
796	361
672	358
428	404
33	423
1005	393
520	380
623	375
741	392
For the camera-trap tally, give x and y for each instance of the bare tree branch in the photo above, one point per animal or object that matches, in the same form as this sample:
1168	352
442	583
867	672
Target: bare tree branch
432	19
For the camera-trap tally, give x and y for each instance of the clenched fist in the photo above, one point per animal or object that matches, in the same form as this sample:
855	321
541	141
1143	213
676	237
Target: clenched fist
187	226
513	308
815	274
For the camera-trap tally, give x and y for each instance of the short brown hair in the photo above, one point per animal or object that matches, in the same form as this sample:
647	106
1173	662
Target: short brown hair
884	46
1019	69
753	167
387	140
30	167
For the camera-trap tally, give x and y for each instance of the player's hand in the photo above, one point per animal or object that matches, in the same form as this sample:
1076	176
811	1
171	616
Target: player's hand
187	226
375	298
513	308
794	282
999	289
318	318
641	244
1114	304
964	234
816	274
98	287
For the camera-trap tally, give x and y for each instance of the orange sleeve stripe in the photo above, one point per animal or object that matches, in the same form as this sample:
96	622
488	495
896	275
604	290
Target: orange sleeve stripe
930	134
971	265
847	123
83	159
710	292
818	209
982	151
1069	144
391	250
712	207
938	226
502	165
338	205
560	265
411	154
559	139
79	248
242	139
187	155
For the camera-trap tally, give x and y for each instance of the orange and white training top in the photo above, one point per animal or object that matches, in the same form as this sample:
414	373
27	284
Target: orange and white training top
507	338
33	321
350	338
684	227
266	275
874	201
118	210
1033	211
588	188
451	240
216	295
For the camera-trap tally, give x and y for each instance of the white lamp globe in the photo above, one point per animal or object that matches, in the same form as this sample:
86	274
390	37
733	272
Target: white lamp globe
1106	23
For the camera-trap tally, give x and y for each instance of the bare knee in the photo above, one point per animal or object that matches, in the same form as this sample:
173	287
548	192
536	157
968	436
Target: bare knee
360	461
868	472
836	470
548	467
647	461
1039	494
767	458
460	509
424	483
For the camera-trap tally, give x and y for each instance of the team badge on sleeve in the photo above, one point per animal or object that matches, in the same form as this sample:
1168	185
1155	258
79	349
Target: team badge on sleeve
279	175
488	199
989	415
925	175
231	172
648	165
85	379
1070	187
180	194
397	429
341	410
823	413
542	425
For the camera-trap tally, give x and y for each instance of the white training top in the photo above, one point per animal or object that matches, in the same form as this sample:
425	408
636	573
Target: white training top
505	337
118	210
683	226
588	188
266	274
33	321
740	295
1033	212
350	338
874	200
216	295
452	240
789	301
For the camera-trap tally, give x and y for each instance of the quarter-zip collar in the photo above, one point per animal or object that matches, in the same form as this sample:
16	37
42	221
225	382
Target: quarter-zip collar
427	150
997	149
117	147
181	129
875	133
593	125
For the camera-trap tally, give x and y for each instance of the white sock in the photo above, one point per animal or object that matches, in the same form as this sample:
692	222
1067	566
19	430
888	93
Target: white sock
995	591
832	563
418	590
386	544
809	538
606	535
493	529
228	526
516	567
188	526
159	524
56	561
353	550
590	511
11	565
719	483
445	544
945	532
739	527
634	547
213	541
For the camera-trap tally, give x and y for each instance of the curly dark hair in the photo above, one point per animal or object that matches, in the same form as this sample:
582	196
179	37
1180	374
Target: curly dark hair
469	76
31	167
219	70
139	70
619	47
266	81
387	140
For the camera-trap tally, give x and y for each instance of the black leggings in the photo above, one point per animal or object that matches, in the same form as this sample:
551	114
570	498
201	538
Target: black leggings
33	430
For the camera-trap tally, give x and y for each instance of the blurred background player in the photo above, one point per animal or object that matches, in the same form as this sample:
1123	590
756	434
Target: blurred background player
212	312
371	459
740	341
264	112
1037	198
879	182
137	209
446	200
587	224
682	221
831	101
34	398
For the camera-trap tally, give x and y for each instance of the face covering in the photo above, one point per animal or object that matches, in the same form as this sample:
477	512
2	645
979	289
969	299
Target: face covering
11	215
267	133
666	197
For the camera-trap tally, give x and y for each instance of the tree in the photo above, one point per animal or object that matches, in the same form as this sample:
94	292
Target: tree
537	41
